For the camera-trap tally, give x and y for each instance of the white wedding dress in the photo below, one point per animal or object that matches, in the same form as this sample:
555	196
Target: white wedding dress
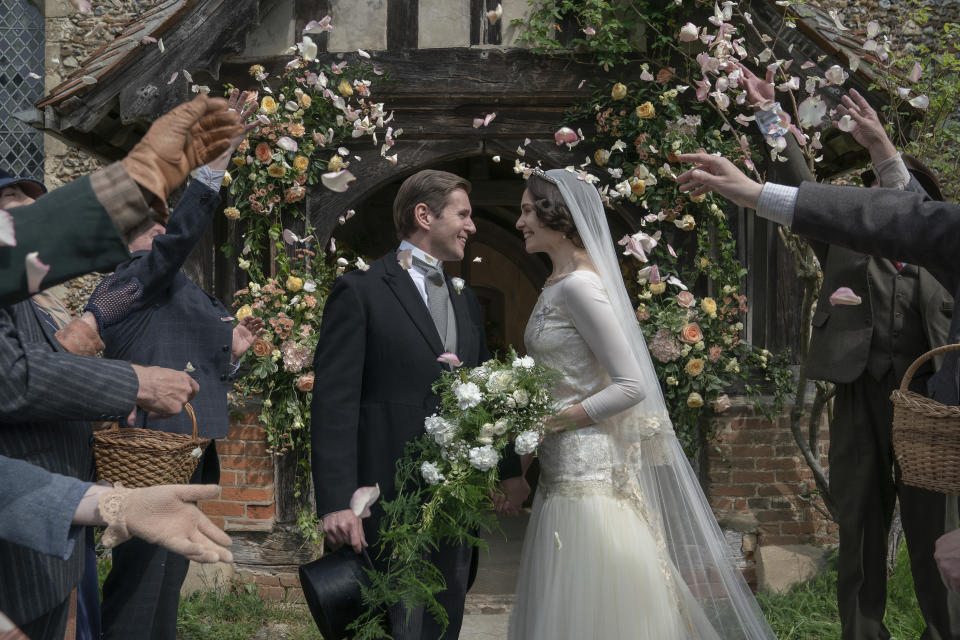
594	565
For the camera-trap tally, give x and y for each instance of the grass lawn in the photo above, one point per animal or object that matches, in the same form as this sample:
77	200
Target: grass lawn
807	612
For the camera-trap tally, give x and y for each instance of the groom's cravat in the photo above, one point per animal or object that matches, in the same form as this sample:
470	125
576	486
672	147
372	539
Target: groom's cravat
438	299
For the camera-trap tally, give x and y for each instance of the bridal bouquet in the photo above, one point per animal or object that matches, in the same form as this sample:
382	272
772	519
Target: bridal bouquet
445	478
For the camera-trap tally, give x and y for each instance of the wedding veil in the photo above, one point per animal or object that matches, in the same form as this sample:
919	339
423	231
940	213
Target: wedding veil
651	465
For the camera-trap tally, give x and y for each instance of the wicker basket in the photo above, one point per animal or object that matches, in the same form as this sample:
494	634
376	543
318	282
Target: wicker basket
144	457
926	434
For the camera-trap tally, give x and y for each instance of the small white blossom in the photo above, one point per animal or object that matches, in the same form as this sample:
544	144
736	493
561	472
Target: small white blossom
431	473
521	397
458	284
526	362
526	442
483	458
468	395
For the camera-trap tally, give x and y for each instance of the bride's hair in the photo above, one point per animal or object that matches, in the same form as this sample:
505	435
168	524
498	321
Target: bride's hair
551	209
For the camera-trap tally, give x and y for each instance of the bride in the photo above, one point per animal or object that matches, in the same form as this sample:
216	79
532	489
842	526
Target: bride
621	543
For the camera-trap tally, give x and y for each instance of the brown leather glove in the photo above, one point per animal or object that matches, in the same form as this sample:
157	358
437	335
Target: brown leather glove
187	137
80	338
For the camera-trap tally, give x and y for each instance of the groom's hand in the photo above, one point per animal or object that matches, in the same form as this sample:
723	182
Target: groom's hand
344	527
510	495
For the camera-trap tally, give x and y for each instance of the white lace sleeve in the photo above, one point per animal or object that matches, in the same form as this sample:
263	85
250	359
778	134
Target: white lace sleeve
595	320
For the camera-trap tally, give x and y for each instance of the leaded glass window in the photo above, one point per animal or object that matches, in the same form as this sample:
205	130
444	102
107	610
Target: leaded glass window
21	53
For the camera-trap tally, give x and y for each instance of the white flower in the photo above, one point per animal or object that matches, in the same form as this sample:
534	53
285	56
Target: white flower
500	427
468	395
479	374
458	284
521	397
526	442
309	286
443	431
526	362
483	458
500	381
431	473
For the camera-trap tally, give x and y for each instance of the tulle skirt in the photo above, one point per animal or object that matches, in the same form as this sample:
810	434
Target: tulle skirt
591	568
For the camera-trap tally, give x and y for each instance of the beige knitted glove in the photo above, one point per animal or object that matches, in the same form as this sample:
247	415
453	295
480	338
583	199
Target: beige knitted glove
165	516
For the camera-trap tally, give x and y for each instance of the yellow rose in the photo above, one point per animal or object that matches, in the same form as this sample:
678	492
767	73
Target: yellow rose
600	156
239	161
305	101
227	179
256	70
637	186
345	89
231	213
687	223
297	130
658	287
694	366
294	284
694	400
243	312
268	104
646	110
300	163
619	91
700	198
275	170
335	164
709	306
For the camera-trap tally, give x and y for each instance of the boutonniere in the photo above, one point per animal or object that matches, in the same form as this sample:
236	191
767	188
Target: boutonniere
458	284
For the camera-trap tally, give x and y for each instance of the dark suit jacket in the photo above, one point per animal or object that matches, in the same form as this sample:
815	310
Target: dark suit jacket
170	321
43	391
899	225
375	363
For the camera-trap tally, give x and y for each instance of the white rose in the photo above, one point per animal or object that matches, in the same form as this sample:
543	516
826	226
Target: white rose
500	380
500	427
526	442
483	458
521	397
526	362
443	431
479	374
431	473
468	395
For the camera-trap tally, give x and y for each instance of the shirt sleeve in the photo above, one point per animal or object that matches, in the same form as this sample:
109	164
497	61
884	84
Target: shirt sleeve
594	319
777	203
212	178
122	200
892	173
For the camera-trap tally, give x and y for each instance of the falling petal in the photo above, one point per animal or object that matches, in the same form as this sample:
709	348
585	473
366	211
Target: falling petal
287	143
36	270
7	236
903	92
646	76
556	540
487	119
337	181
689	32
363	54
845	296
478	259
873	29
290	237
318	26
920	102
582	82
671	251
160	45
33	75
362	499
333	245
350	213
363	266
186	74
916	72
189	368
836	20
836	75
846	123
675	281
590	31
495	15
495	158
174	77
807	65
145	40
811	111
341	219
450	359
405	259
477	123
565	135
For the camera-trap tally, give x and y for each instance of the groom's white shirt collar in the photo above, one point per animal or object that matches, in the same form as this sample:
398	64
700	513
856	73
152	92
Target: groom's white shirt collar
416	272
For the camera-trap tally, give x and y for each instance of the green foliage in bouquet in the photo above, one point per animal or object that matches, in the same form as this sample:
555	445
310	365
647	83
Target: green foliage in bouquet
445	479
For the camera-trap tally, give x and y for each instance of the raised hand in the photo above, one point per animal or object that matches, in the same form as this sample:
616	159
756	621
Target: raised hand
244	103
162	392
713	173
869	130
245	333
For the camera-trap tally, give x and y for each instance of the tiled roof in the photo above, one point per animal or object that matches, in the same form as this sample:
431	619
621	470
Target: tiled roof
111	57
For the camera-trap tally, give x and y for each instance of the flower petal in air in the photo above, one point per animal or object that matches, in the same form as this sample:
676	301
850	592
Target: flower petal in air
363	54
362	499
495	15
317	27
7	236
36	270
477	123
450	359
845	295
846	123
565	135
689	32
811	111
590	31
287	144
836	75
289	236
487	119
405	259
338	181
920	102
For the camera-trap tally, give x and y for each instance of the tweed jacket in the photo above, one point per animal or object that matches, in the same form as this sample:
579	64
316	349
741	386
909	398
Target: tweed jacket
170	321
375	363
78	228
43	394
900	225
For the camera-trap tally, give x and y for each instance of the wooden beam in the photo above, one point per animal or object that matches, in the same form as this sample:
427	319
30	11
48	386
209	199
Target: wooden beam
403	24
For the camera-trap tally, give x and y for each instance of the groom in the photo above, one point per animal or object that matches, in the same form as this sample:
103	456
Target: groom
375	363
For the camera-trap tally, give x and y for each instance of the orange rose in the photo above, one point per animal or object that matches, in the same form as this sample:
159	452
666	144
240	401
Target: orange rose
262	348
691	333
263	152
305	382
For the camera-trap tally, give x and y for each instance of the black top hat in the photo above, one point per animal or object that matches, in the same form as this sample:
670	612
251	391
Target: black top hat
31	187
331	586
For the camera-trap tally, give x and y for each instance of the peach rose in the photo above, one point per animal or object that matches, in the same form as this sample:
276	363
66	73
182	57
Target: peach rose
721	404
691	333
685	299
694	366
305	382
262	348
263	152
715	352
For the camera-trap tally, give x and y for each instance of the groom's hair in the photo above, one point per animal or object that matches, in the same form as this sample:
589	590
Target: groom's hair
430	187
551	208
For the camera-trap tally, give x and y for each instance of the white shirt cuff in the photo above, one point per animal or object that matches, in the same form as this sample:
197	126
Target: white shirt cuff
892	173
777	203
210	177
